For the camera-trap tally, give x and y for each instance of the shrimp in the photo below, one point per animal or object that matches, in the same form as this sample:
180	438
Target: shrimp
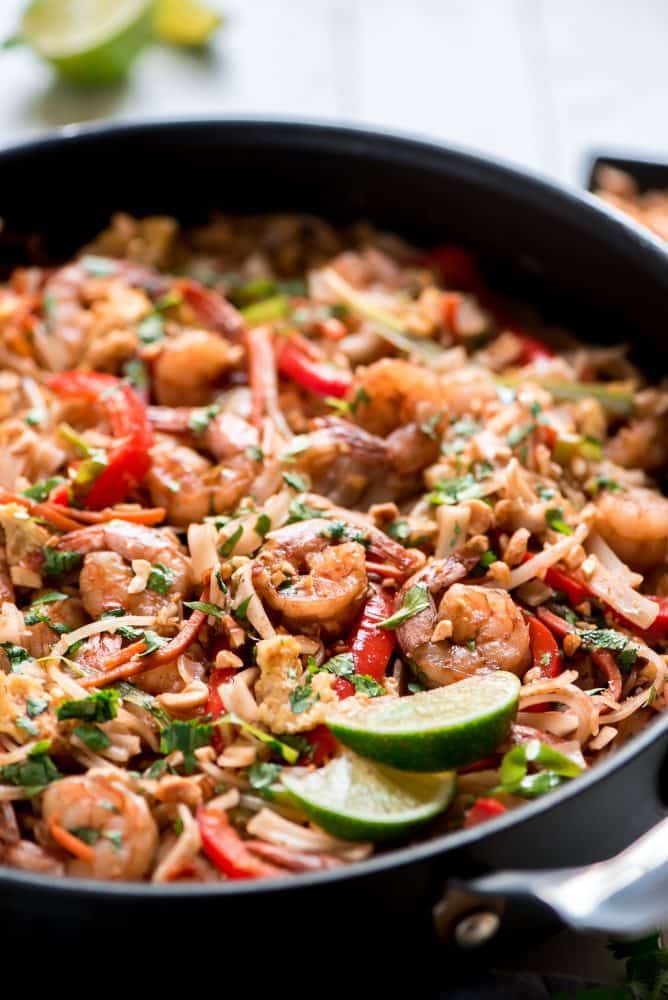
343	460
634	523
392	392
226	435
190	365
309	577
190	488
482	630
41	636
106	575
121	834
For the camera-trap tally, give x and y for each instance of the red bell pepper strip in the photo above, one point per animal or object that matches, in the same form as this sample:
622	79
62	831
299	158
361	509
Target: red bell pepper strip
322	379
456	266
372	646
532	349
323	744
343	688
575	591
544	648
129	459
226	850
60	495
483	810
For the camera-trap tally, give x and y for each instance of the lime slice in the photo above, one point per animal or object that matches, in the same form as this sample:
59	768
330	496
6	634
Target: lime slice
88	41
184	22
354	799
432	730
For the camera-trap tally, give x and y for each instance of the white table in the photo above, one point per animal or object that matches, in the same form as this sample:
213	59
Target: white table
539	82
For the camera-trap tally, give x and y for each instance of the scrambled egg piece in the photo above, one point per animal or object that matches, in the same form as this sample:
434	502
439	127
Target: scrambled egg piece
281	675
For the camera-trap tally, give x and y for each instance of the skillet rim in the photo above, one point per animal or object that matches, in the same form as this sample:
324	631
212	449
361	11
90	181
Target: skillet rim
590	213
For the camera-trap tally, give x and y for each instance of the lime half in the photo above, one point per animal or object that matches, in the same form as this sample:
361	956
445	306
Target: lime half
354	799
88	41
446	728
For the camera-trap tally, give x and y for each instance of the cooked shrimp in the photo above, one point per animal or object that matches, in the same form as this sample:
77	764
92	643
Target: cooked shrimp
190	488
190	365
343	460
310	579
634	523
106	575
474	630
396	393
121	834
40	636
642	444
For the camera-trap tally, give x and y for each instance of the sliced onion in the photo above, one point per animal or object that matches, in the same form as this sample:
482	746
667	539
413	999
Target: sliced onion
95	628
255	612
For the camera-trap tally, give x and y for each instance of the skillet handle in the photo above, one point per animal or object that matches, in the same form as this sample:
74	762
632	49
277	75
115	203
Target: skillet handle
627	895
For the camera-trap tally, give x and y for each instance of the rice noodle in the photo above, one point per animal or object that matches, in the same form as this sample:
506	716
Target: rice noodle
269	826
612	585
453	522
237	697
202	545
562	690
255	613
605	736
559	723
552	554
96	628
184	850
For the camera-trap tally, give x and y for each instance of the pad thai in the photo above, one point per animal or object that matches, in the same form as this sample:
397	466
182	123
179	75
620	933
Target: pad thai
310	543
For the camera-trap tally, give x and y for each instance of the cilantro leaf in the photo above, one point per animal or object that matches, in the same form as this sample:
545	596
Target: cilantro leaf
296	481
101	706
519	433
299	511
32	774
262	775
58	561
202	417
302	698
15	654
186	737
160	579
555	518
453	491
366	684
206	607
92	736
227	548
40	491
415	600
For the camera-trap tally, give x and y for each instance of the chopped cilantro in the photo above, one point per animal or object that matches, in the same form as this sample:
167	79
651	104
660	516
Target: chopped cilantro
241	610
545	492
296	481
415	600
23	722
40	491
160	579
262	775
36	706
262	525
93	737
227	548
58	561
50	597
555	518
202	417
15	654
255	453
302	698
399	530
151	329
101	706
135	373
453	491
366	684
519	433
206	607
186	737
34	773
299	511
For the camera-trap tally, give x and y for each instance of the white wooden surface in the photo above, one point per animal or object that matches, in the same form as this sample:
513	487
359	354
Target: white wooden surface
540	82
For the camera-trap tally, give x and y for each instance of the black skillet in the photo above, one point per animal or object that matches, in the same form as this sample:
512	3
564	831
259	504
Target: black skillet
581	264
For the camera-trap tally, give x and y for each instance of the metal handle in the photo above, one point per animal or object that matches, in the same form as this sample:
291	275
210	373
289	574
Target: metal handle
626	895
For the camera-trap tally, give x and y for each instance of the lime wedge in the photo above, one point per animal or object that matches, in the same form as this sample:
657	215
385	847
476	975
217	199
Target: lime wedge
354	799
88	41
184	22
446	728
